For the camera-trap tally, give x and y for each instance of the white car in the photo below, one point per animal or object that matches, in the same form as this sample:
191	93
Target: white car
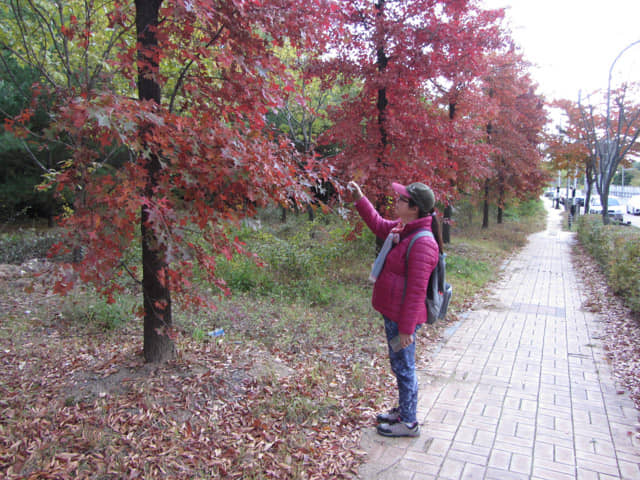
633	205
614	207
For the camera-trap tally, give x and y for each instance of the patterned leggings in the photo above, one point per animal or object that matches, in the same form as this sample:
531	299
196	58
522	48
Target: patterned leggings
403	365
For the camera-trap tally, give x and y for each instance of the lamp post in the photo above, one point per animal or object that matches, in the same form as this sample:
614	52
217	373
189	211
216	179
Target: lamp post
608	148
608	118
609	82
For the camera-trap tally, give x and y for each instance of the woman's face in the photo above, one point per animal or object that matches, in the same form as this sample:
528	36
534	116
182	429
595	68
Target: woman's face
404	211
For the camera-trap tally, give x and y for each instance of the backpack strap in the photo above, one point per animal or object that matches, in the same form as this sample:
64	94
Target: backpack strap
421	233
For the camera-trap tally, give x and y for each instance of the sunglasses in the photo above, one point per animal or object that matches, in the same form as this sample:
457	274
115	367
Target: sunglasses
403	199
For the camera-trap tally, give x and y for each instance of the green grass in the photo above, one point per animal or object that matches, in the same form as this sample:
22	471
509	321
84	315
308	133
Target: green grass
313	284
21	245
475	255
86	308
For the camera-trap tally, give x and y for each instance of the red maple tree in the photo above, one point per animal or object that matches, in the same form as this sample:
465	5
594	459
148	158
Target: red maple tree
514	131
200	151
406	55
568	146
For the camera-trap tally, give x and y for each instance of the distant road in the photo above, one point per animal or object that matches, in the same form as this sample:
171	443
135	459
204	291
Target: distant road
634	219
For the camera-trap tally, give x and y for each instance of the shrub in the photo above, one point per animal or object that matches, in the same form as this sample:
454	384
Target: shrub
617	249
299	257
592	234
625	270
524	209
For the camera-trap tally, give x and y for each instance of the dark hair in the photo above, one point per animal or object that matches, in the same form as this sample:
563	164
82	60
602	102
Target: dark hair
435	224
421	213
436	230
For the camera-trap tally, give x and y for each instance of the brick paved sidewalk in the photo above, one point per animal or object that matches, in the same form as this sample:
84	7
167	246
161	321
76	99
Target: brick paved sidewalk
520	389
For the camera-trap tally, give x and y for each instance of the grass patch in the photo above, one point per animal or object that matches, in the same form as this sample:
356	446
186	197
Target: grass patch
86	308
475	254
25	244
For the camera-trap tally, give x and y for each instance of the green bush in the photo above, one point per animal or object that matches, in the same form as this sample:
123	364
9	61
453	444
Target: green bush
299	257
617	249
524	209
625	270
242	274
592	234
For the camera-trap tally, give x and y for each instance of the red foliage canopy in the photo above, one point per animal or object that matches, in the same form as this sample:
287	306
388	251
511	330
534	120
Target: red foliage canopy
219	157
515	130
409	57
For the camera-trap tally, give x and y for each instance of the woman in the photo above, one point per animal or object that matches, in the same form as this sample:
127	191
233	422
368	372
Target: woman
400	290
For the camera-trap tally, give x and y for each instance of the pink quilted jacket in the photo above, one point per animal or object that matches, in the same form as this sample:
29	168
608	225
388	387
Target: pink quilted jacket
387	291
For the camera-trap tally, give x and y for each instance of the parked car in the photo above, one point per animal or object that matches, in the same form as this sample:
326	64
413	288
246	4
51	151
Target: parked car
567	201
615	208
633	205
564	200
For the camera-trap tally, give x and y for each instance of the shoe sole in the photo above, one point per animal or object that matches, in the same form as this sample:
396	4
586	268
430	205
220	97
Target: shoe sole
392	434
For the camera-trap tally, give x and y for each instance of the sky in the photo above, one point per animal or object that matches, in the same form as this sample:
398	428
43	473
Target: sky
573	43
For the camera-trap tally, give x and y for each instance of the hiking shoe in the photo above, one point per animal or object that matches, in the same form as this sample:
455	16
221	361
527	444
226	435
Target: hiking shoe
390	417
399	429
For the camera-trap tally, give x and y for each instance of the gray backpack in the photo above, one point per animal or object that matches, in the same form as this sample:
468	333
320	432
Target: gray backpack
438	291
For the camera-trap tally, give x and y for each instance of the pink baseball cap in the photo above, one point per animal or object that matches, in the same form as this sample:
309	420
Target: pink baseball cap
400	189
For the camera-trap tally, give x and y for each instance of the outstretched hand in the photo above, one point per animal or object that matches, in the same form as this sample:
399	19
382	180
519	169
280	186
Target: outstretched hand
355	188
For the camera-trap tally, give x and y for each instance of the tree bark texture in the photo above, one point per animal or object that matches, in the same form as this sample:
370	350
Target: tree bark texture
382	61
446	224
500	203
485	210
158	345
448	209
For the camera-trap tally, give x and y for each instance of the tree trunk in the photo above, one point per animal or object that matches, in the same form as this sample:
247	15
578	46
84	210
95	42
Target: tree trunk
446	224
604	201
485	210
382	62
500	209
158	345
448	209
